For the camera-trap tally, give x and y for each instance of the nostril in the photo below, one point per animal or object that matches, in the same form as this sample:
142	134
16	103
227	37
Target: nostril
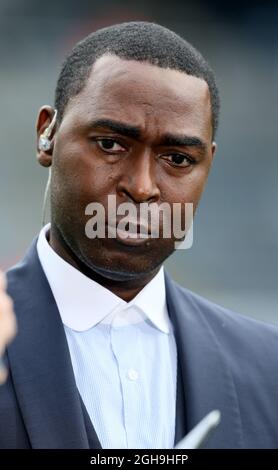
138	191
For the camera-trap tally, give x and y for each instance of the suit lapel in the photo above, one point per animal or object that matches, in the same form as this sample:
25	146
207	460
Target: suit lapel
40	364
206	377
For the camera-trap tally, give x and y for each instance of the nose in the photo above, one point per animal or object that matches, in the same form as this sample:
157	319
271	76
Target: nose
138	180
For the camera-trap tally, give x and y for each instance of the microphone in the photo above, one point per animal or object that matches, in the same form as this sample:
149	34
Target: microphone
201	432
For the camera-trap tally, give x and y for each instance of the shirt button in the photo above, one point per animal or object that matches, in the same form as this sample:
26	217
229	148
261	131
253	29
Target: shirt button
132	374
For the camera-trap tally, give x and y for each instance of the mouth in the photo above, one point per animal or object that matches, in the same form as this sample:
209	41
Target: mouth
131	233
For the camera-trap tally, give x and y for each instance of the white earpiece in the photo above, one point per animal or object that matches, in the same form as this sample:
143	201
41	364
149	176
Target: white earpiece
44	141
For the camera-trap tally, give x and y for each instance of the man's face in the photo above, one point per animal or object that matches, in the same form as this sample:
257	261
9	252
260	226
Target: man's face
140	133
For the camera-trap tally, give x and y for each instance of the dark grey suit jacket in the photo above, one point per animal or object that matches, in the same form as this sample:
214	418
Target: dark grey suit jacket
225	362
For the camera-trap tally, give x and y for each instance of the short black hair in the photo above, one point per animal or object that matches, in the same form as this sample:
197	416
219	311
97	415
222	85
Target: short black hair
141	41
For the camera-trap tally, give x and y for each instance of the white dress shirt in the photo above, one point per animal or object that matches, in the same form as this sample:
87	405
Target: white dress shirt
123	354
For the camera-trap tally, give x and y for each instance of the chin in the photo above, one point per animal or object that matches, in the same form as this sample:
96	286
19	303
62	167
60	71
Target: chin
116	274
117	263
118	271
119	267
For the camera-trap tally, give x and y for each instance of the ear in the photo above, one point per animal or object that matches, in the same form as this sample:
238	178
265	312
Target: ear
45	117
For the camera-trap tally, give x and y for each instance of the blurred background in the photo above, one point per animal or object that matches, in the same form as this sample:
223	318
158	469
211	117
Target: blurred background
234	258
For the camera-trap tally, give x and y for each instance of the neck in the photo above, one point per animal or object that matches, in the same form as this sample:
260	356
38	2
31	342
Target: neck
124	287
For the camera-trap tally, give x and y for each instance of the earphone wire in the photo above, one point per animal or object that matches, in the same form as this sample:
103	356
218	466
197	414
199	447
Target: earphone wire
45	198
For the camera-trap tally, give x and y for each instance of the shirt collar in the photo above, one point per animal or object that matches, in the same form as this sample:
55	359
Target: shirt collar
83	303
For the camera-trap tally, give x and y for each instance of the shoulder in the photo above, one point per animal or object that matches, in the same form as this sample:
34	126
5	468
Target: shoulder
230	327
27	283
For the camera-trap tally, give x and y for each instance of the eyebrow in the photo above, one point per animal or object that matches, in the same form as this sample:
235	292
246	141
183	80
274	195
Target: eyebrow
183	141
135	132
116	126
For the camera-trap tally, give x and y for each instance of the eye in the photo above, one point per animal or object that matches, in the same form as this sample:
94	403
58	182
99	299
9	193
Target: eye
109	145
179	160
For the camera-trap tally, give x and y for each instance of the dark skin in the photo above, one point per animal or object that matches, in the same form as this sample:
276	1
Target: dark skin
136	131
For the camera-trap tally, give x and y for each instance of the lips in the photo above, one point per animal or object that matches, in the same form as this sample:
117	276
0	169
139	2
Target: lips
134	228
131	233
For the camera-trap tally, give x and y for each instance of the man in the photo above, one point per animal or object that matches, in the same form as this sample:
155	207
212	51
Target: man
110	351
7	324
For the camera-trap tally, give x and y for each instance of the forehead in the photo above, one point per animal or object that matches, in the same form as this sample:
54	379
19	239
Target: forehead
143	94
